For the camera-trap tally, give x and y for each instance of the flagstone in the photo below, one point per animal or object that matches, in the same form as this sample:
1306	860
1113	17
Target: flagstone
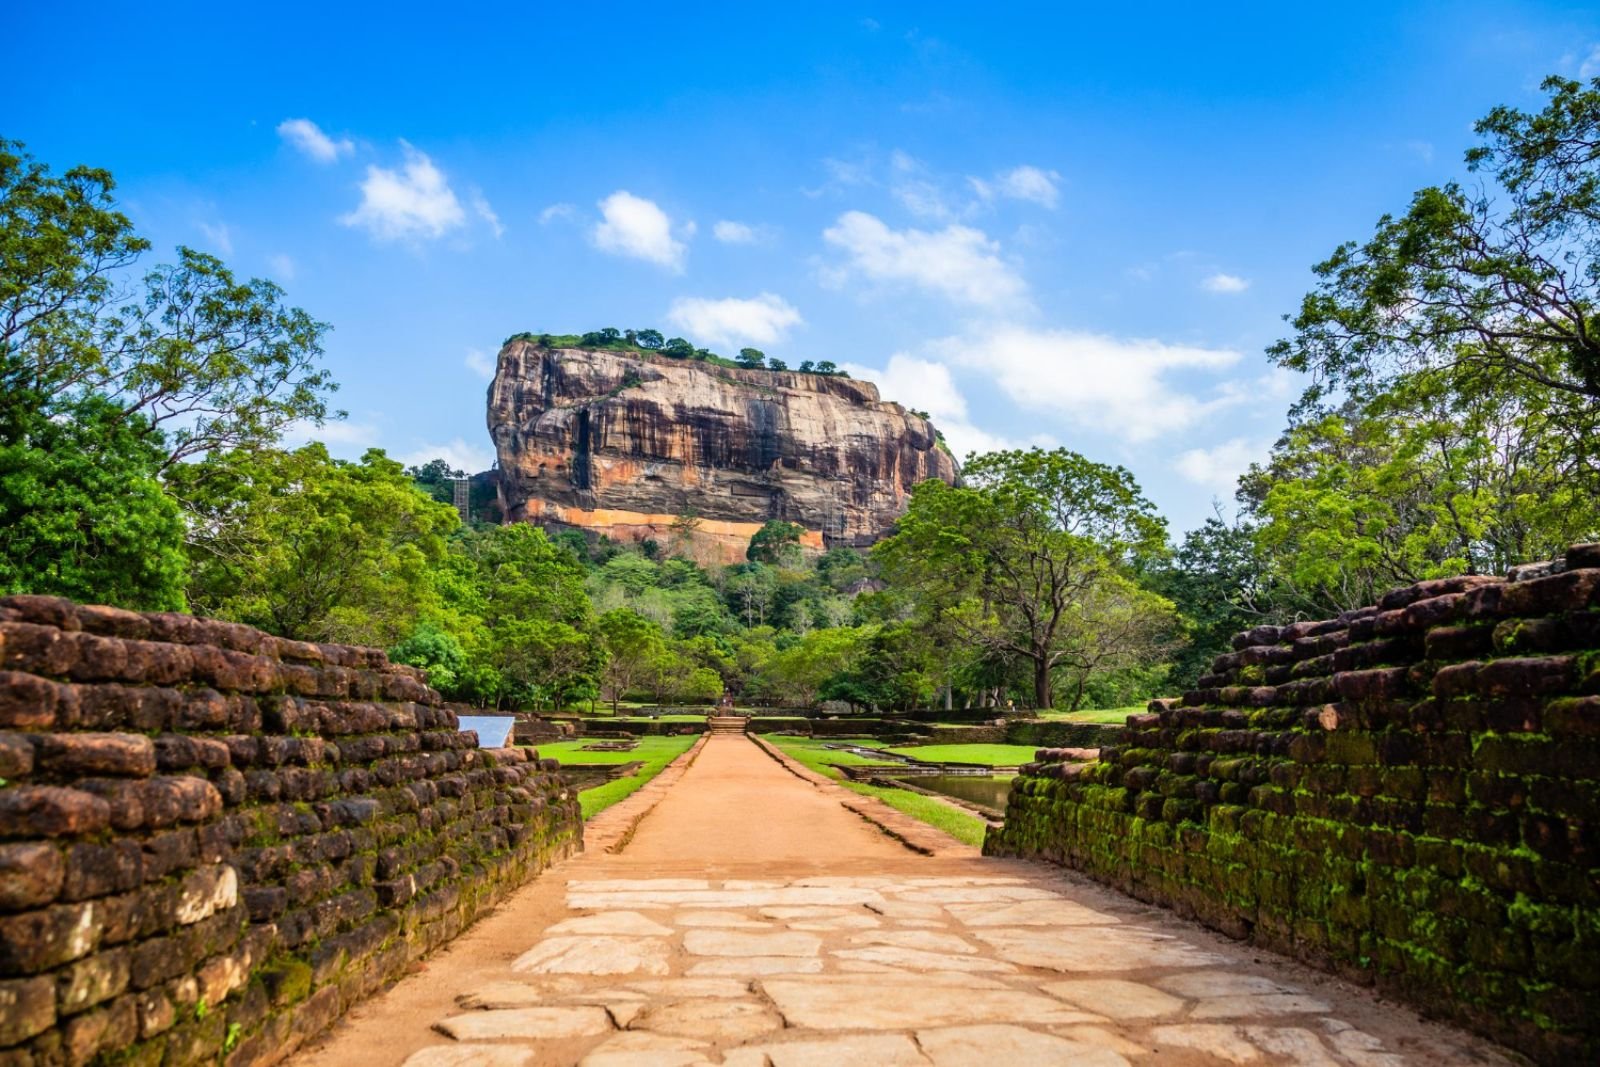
526	1023
692	987
876	1050
1030	913
1095	948
1265	1004
612	922
918	939
729	919
1117	998
595	955
636	1049
712	1020
861	1003
1291	1045
736	943
471	1056
1226	1043
905	909
983	894
1100	1036
1196	985
724	898
920	960
968	1046
755	966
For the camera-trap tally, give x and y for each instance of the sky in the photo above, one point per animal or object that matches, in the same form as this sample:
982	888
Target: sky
1045	226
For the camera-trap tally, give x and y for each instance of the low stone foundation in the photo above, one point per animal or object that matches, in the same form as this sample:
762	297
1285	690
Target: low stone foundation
1408	795
213	841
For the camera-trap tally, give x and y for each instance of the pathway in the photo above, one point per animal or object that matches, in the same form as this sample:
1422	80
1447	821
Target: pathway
752	920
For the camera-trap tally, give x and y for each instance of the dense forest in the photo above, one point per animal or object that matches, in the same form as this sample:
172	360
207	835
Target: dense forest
1450	427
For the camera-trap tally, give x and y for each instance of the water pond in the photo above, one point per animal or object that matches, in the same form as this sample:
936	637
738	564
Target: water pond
985	791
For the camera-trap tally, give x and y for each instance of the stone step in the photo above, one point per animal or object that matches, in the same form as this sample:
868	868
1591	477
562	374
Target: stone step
726	724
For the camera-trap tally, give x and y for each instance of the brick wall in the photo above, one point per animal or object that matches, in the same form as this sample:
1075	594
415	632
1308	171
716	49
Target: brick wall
1408	795
213	841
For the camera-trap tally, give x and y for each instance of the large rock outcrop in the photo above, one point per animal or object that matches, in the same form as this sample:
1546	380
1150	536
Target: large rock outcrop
623	445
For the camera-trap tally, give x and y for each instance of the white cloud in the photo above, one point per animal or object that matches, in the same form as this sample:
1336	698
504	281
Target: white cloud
764	319
1021	183
1590	67
282	267
1218	468
957	262
480	363
636	227
927	385
556	211
219	236
458	453
413	202
1225	283
343	437
1121	386
308	137
735	233
486	213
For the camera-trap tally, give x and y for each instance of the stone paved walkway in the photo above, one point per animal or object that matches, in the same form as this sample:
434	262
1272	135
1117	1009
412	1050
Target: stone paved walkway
751	920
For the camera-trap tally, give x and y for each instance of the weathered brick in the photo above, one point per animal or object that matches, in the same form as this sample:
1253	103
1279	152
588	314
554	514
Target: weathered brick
27	1008
35	941
50	811
81	754
27	702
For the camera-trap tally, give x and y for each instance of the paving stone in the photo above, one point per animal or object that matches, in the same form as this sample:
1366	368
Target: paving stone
1359	1048
755	966
878	1050
1100	1037
634	885
630	923
1226	1043
712	1020
918	960
1291	1045
972	1046
905	909
979	894
471	1056
634	1049
862	1003
819	917
526	1023
728	919
1116	998
1265	1004
692	987
1030	913
1095	948
507	995
919	939
841	924
736	943
1196	985
595	955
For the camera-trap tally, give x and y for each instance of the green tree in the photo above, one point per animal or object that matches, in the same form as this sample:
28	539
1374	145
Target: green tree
309	547
650	339
82	512
776	364
1501	282
1015	557
752	358
1221	581
631	642
677	348
776	542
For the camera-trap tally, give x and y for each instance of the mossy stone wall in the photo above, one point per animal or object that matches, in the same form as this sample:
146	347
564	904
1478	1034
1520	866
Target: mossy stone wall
1408	795
213	841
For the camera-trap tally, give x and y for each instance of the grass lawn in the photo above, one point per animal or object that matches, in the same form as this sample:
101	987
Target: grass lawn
1112	715
990	755
656	752
810	752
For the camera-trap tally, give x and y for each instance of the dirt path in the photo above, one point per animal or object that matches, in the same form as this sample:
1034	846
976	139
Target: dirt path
753	919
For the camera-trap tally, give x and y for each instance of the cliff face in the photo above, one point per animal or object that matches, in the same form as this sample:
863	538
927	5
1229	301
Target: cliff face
623	445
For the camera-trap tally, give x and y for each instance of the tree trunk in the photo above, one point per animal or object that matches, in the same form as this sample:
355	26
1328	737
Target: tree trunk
1041	684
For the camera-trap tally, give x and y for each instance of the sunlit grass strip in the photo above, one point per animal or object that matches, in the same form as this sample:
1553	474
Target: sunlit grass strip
655	752
989	755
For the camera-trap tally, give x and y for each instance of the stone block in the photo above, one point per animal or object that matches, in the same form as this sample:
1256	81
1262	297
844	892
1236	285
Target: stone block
27	1008
27	702
80	754
35	941
51	811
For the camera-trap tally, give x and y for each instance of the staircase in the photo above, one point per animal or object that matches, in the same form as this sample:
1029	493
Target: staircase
726	724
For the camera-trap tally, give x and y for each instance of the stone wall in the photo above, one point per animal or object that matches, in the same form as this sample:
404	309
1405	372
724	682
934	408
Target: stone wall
1046	733
1408	795
213	842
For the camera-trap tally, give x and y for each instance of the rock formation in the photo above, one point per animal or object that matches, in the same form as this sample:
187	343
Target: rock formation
625	445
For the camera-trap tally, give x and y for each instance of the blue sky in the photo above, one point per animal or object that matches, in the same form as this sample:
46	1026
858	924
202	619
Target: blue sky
1044	225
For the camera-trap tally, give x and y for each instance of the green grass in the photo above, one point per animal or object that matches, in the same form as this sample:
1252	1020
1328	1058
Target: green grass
1112	715
989	755
941	816
655	752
